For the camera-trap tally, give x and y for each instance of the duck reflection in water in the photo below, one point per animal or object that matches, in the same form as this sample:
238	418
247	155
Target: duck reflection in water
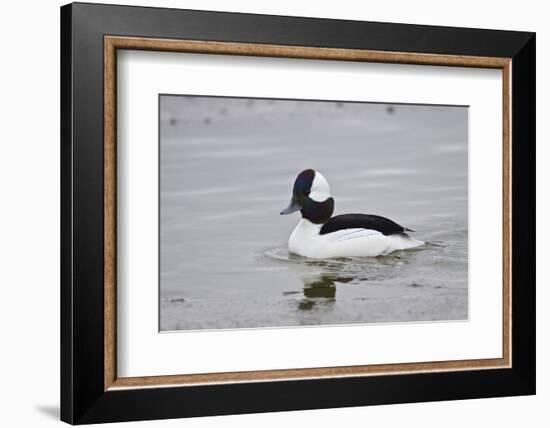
320	290
320	278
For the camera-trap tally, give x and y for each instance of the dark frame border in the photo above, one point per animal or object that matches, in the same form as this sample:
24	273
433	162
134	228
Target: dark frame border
83	399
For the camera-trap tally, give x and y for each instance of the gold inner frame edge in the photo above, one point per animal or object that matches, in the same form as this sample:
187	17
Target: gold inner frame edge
113	43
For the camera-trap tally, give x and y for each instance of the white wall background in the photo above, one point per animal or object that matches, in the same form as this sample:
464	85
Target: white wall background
29	213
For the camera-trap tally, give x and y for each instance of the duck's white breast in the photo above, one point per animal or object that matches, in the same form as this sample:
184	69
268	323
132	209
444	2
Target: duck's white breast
306	241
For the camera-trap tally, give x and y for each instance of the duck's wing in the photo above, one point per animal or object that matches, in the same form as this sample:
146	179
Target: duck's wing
356	233
363	221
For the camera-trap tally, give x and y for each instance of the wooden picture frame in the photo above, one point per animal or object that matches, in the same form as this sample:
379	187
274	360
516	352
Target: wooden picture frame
91	390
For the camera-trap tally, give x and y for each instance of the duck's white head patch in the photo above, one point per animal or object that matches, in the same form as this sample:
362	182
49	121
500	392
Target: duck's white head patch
320	190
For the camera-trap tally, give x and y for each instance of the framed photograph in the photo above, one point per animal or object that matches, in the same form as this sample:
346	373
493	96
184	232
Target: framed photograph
266	213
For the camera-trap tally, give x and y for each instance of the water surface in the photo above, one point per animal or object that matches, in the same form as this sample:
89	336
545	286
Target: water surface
227	169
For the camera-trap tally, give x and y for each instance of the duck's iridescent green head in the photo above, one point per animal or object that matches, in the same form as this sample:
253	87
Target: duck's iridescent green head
311	196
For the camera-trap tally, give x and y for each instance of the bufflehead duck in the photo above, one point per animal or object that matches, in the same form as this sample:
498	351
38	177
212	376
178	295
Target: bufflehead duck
318	235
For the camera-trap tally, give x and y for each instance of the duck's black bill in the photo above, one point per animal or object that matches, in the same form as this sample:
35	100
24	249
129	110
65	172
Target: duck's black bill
292	207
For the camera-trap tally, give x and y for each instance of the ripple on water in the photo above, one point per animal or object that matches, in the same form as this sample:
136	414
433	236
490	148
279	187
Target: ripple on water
341	270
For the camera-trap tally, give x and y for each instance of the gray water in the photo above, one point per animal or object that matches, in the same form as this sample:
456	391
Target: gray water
227	169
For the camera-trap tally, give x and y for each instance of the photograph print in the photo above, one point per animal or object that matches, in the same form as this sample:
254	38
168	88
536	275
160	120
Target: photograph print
287	213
